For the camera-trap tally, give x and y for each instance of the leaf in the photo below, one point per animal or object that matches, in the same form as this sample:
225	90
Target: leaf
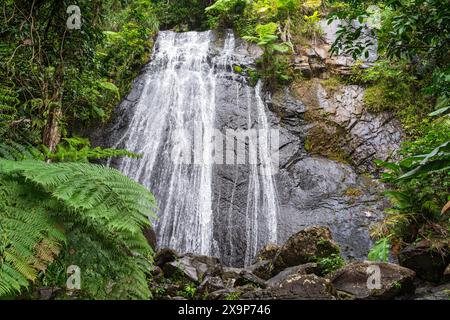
399	199
110	87
380	251
280	48
250	38
427	165
439	111
389	165
427	168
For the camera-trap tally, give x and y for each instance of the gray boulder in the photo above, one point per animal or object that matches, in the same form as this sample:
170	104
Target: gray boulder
441	292
428	259
296	287
309	268
262	269
193	268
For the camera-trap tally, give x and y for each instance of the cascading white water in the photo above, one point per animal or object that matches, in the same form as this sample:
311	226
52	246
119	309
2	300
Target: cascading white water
261	178
180	95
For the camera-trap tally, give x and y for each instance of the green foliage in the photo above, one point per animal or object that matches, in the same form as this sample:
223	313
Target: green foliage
79	150
97	211
310	27
412	32
380	251
267	38
75	76
420	183
274	68
230	14
269	23
330	264
411	29
128	44
29	239
418	166
189	291
389	87
182	15
8	102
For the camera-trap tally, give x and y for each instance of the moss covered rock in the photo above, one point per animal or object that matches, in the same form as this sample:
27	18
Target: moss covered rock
309	245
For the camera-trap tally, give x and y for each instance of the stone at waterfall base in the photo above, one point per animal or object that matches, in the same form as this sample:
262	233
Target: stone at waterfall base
428	259
308	245
206	278
359	279
296	287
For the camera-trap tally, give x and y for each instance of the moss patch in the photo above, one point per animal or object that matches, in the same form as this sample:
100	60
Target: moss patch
353	192
331	85
330	264
327	141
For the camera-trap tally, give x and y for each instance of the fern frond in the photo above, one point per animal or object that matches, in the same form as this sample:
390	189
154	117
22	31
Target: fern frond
23	224
103	214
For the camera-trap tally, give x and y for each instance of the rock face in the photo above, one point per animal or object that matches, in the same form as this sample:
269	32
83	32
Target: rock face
309	190
315	59
369	280
429	260
441	292
308	245
313	190
339	117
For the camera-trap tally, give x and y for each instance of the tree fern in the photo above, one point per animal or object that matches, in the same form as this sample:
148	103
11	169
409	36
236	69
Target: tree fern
102	214
25	229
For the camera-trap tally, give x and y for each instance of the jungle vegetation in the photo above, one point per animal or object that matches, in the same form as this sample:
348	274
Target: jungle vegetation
57	208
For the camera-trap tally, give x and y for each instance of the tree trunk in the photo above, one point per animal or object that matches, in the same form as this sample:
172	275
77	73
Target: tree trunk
52	132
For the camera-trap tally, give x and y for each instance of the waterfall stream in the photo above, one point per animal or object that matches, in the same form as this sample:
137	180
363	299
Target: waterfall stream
176	126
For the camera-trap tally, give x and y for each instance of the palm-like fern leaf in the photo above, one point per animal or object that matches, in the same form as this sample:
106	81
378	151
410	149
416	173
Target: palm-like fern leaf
100	208
24	226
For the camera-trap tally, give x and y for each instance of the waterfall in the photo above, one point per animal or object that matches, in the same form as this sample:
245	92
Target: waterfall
176	125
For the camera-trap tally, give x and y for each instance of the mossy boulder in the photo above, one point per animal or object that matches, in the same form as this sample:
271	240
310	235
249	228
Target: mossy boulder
269	252
237	277
262	269
165	255
309	245
359	279
192	268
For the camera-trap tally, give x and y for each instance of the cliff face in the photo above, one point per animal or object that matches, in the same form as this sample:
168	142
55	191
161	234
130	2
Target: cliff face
328	142
341	127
